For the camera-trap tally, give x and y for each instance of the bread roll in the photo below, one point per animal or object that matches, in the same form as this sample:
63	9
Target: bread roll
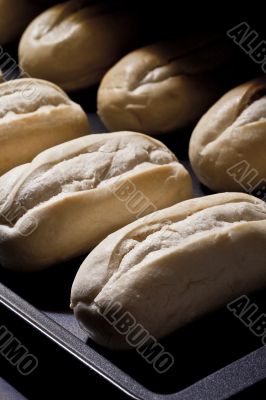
228	146
15	16
1	76
73	195
173	266
74	43
164	86
35	115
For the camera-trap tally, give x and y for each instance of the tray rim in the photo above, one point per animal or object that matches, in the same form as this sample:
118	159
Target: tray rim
242	373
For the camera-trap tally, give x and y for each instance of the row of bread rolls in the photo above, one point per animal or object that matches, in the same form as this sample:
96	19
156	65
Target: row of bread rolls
162	269
79	174
171	266
146	91
172	261
70	44
156	89
36	115
181	262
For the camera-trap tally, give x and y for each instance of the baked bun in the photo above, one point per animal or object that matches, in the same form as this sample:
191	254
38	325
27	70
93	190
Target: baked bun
163	87
171	267
73	195
74	43
35	115
228	146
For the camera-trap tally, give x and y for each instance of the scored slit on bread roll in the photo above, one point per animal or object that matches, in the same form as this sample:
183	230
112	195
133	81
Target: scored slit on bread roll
73	195
164	86
228	146
173	266
74	43
35	115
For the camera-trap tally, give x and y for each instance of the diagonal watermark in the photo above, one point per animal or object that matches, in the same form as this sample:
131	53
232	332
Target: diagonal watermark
249	314
15	353
249	41
137	337
248	178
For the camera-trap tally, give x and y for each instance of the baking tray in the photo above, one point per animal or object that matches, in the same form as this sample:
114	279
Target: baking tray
216	357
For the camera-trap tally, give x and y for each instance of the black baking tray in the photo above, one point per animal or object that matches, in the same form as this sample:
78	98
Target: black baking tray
216	357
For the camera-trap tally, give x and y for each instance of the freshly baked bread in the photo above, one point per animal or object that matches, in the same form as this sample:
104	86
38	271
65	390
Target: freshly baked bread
1	76
172	266
228	146
15	16
74	43
73	195
164	86
35	115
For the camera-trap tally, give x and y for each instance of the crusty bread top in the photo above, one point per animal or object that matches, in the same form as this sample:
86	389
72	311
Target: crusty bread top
243	105
86	37
83	164
8	181
160	61
148	239
149	244
65	16
23	96
232	131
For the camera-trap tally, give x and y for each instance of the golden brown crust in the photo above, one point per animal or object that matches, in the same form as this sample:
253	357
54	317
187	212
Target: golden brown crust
162	87
230	133
173	266
35	115
78	192
93	35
